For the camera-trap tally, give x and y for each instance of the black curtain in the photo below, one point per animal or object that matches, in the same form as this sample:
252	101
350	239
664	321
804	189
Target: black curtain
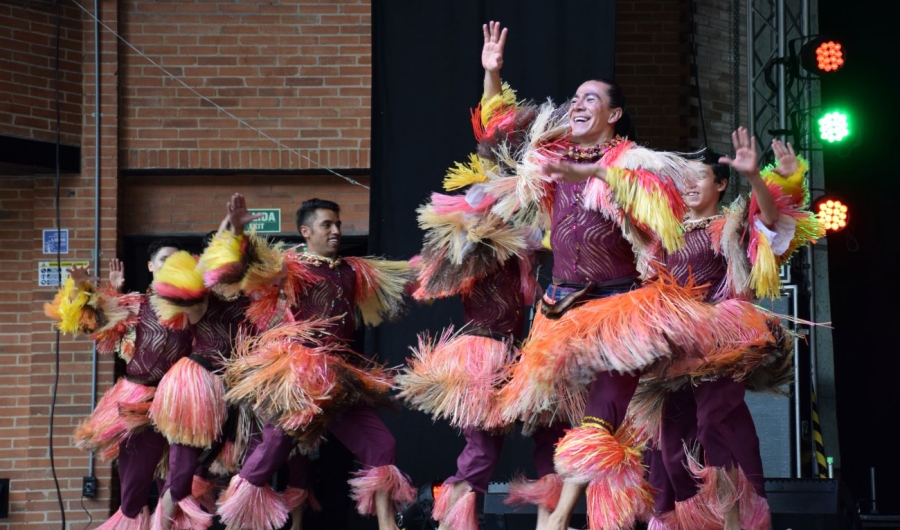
427	76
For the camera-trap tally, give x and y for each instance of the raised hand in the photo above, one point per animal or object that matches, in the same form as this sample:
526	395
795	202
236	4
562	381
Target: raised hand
787	159
238	215
116	275
571	172
80	274
746	160
494	41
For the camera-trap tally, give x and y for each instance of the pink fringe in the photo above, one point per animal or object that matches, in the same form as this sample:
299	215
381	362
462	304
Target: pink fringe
188	516
442	502
189	406
105	428
619	503
543	492
463	515
244	505
696	513
716	489
455	377
366	483
754	509
228	460
119	521
296	497
205	492
664	521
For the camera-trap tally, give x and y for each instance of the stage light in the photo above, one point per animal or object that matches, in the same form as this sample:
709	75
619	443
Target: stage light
833	212
822	56
418	515
834	127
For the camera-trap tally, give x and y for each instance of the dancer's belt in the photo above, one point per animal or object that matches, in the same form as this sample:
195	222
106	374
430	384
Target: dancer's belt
491	334
579	293
209	365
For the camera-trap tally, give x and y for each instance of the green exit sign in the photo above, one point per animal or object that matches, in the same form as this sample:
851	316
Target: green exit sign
269	223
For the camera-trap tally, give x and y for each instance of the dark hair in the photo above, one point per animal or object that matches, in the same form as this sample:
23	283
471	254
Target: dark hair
711	158
624	125
308	209
163	242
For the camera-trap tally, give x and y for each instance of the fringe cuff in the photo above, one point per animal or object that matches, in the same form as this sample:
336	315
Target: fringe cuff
696	514
205	492
179	284
617	491
368	482
462	515
543	492
380	287
188	516
754	509
664	521
297	497
120	521
244	505
189	406
107	426
716	489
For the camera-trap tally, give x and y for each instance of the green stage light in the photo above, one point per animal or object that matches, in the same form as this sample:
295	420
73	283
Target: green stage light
833	127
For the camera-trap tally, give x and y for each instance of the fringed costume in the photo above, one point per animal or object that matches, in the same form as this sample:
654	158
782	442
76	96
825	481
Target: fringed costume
189	408
299	375
120	426
695	404
473	253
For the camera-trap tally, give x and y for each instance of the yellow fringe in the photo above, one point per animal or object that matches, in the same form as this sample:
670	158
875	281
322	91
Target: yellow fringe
489	106
223	250
764	277
647	208
383	288
72	301
462	175
793	185
181	270
267	267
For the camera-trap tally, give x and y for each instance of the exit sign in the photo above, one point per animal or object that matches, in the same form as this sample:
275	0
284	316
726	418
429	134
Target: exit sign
269	223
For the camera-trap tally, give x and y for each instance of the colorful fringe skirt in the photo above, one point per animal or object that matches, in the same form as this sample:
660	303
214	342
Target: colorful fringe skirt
122	411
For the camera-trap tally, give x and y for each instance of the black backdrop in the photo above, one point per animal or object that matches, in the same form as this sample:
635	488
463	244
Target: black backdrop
427	76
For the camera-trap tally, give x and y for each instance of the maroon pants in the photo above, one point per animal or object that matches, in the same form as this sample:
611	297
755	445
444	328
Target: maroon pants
714	414
609	396
138	457
479	457
182	468
359	429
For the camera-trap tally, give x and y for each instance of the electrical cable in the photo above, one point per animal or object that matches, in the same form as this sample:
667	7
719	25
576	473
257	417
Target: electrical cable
62	510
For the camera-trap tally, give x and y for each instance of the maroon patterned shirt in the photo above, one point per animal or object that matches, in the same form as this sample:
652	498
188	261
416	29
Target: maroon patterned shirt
698	259
214	334
156	347
333	296
587	246
496	302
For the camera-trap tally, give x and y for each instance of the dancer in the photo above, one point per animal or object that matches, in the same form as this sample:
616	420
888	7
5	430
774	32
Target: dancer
119	428
189	408
736	254
455	376
596	226
298	374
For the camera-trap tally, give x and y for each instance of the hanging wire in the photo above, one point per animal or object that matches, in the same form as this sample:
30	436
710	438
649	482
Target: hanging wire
216	105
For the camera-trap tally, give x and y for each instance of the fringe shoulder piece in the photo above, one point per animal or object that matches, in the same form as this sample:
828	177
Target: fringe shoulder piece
524	194
103	314
380	288
727	233
177	287
647	185
464	174
796	226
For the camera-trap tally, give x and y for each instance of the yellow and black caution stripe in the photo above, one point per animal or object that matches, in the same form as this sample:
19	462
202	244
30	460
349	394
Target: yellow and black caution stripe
821	460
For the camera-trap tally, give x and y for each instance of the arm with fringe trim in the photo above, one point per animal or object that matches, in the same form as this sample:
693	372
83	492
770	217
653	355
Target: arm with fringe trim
105	315
646	185
380	288
494	113
796	226
179	291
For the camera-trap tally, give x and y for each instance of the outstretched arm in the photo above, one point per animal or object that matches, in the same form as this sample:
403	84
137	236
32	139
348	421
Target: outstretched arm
746	162
116	275
238	215
492	57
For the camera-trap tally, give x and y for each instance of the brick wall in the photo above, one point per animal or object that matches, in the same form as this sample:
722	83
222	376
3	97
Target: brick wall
299	71
652	68
28	72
